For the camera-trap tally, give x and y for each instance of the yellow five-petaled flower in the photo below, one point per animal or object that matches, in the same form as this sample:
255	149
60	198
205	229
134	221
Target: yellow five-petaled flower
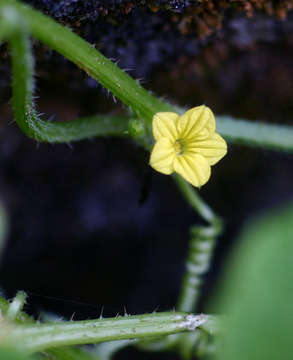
187	144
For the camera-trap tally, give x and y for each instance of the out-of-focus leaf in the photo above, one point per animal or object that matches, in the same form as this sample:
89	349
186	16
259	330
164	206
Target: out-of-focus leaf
9	354
256	295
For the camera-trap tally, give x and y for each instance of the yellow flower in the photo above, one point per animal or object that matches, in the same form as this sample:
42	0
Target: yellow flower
187	144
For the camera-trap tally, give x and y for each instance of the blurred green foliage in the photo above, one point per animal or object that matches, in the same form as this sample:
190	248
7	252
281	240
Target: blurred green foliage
10	354
256	294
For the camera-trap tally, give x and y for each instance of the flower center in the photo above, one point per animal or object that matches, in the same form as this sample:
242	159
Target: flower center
179	147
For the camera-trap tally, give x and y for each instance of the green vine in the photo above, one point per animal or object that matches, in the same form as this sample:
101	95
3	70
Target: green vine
38	337
17	23
24	108
19	18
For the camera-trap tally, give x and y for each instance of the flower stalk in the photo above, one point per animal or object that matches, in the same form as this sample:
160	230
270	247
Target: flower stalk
201	246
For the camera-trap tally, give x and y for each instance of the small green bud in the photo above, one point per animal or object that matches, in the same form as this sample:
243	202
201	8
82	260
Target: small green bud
136	128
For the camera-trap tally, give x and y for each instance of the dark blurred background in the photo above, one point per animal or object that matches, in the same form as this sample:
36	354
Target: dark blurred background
91	225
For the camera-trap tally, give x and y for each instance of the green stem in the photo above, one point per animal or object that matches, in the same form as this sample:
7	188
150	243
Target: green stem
20	318
243	132
16	306
61	353
143	104
26	116
83	128
44	336
253	133
74	48
201	247
195	201
10	22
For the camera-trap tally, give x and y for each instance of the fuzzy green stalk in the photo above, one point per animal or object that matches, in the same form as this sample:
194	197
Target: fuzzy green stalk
49	131
60	353
256	133
71	46
39	337
143	104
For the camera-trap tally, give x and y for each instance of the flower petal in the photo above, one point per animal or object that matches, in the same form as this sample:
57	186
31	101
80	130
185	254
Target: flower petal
213	149
194	168
162	156
197	120
164	125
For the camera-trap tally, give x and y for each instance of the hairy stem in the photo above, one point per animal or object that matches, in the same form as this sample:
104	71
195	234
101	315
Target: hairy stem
60	353
244	132
44	336
26	116
143	104
75	49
